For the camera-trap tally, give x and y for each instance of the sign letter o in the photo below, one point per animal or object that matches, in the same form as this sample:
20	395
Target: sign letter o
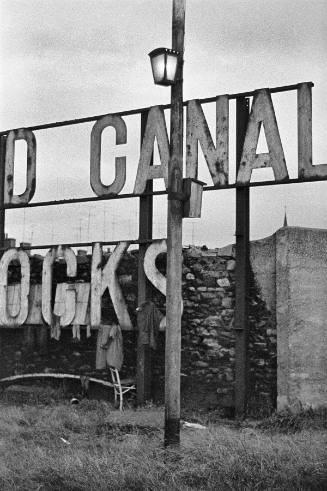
6	318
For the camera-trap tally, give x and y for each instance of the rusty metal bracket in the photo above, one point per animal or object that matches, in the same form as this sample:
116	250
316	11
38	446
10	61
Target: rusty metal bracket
186	192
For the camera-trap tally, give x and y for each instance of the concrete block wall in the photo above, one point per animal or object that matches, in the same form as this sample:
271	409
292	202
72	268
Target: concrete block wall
301	311
290	268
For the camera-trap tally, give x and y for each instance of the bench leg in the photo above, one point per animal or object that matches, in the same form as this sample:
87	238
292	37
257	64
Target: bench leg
120	399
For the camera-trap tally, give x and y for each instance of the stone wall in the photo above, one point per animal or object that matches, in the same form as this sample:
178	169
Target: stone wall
208	352
287	296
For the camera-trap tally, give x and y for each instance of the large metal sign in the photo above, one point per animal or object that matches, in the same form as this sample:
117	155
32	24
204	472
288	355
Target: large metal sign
20	304
80	304
216	152
75	303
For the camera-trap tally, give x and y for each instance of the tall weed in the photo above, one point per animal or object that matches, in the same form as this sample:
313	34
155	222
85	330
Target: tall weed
92	447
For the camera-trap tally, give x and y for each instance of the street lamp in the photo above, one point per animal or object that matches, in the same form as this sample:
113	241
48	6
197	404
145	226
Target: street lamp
164	65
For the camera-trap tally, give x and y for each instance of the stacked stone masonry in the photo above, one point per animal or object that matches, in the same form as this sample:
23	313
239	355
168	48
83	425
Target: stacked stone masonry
208	351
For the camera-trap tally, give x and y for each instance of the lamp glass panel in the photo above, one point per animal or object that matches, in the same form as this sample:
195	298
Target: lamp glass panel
171	67
158	67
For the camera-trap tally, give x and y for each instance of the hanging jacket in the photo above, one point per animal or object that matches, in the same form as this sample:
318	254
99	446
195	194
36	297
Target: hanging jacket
148	321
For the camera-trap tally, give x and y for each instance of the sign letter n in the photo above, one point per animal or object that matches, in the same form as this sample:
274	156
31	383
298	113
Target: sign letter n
197	131
262	113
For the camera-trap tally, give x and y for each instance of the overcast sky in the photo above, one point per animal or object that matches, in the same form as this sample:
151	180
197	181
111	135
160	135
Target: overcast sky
67	59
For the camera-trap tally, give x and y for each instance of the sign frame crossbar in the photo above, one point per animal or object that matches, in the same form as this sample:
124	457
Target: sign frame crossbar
88	119
9	206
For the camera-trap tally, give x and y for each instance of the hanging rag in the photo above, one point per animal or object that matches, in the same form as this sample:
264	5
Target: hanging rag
112	347
55	327
85	383
148	321
103	335
76	332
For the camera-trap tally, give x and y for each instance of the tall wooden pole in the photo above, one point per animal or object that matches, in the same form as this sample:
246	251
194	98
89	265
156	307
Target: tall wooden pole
143	375
174	239
242	268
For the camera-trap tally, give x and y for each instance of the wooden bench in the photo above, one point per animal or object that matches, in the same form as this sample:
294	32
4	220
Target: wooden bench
120	386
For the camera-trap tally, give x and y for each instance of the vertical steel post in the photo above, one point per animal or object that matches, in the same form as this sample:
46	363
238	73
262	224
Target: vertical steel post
2	182
242	267
2	211
143	375
174	238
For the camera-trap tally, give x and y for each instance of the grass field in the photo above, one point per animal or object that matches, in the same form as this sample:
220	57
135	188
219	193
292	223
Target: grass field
91	446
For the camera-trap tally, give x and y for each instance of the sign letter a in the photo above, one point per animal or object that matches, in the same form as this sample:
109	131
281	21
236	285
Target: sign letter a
262	113
155	128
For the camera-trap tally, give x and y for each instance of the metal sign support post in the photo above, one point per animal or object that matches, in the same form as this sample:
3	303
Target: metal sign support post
2	210
242	267
2	182
143	376
174	239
